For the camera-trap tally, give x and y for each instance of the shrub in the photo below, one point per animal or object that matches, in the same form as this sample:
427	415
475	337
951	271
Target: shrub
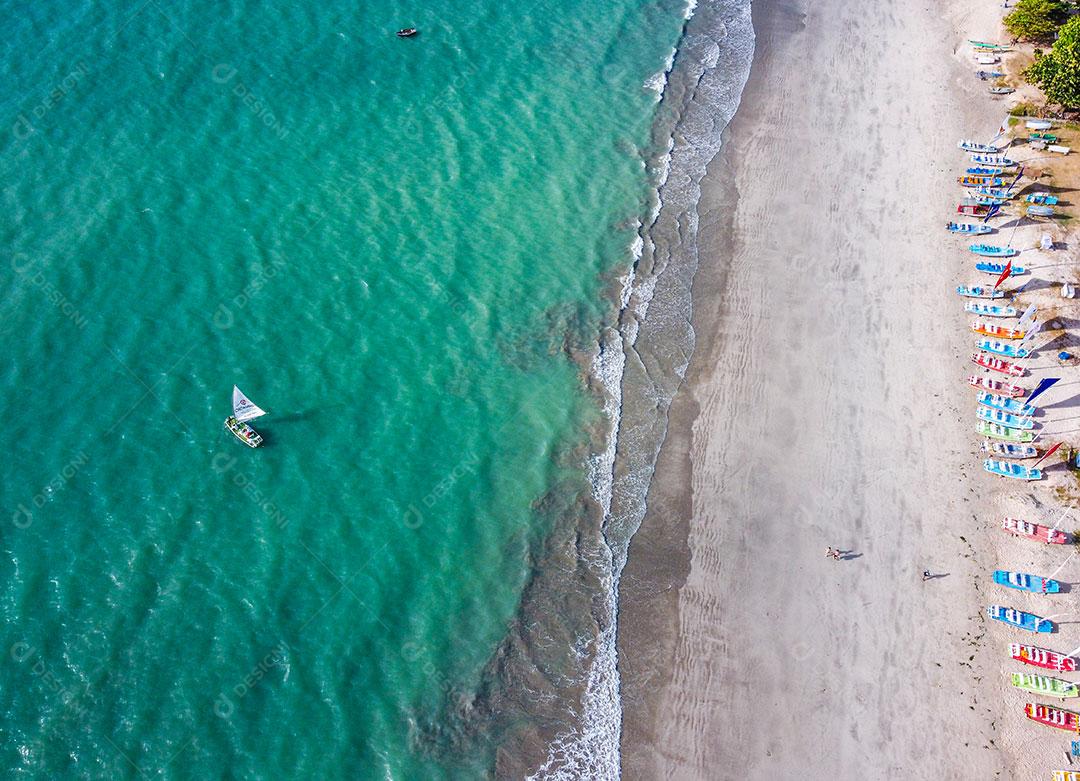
1036	20
1057	72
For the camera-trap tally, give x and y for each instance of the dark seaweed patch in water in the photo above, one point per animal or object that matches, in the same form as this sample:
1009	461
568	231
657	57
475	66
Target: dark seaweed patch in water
567	327
533	684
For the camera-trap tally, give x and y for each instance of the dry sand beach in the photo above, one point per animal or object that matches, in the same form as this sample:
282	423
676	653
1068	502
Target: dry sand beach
825	406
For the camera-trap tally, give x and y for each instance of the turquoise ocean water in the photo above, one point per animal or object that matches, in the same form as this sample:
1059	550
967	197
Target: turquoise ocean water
406	251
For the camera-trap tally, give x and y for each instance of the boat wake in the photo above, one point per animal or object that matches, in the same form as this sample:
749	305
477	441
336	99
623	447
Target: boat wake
641	362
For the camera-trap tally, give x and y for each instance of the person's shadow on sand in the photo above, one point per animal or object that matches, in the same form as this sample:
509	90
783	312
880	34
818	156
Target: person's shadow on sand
848	555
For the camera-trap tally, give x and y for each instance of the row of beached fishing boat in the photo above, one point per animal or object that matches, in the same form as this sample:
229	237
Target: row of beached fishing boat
1006	422
1005	413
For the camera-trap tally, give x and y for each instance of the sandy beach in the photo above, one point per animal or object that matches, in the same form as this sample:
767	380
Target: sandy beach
824	406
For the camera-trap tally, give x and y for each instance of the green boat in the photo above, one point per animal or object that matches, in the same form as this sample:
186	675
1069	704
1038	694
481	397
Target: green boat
988	47
997	431
1042	684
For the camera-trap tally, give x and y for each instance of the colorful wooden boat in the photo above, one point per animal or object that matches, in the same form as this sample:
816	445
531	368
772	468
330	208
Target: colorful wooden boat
1009	450
991	251
987	75
1006	419
978	291
989	267
1046	138
1065	775
975	210
1001	90
1040	657
990	47
975	146
994	401
1003	348
1034	531
996	192
986	200
989	310
1045	685
996	386
1004	433
1011	469
1053	717
993	161
1021	581
1044	198
1039	210
980	171
980	180
968	228
997	365
1029	622
1001	332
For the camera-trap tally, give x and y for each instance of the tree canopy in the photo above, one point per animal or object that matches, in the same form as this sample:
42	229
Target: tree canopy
1057	72
1036	20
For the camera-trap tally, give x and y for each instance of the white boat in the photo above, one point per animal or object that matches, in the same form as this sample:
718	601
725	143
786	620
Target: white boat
974	146
1009	450
243	411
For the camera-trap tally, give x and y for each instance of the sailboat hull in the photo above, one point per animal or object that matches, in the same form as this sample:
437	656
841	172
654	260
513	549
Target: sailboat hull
243	432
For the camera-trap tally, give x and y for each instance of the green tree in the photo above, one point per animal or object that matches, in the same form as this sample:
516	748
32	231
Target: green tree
1057	72
1036	20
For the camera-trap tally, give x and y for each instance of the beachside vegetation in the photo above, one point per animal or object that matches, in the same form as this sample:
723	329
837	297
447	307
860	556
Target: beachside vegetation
1057	72
1036	20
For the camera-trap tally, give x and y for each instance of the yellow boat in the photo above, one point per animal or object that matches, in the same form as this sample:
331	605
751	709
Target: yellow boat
1066	775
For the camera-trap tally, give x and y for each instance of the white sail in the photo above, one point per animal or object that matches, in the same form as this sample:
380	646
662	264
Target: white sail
242	407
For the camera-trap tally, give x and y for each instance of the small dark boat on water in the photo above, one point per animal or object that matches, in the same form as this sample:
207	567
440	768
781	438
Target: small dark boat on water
408	32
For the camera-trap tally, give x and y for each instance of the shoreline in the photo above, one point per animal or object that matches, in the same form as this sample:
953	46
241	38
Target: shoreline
739	647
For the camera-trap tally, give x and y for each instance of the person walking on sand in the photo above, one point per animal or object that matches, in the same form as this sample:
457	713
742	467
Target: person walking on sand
925	575
829	553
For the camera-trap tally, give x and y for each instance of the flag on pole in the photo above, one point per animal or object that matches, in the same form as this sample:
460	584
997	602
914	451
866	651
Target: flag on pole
1004	274
1028	314
1047	454
1042	387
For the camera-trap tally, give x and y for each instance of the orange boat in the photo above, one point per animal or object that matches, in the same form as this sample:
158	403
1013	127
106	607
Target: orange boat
990	329
1053	717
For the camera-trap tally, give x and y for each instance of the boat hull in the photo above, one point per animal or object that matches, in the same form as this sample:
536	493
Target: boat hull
1042	658
1022	581
1034	531
243	432
1053	717
1018	619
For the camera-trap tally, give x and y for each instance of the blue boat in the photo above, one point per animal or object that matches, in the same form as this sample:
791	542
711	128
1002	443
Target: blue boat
986	200
998	268
1003	348
995	192
990	251
985	75
995	401
983	171
1009	450
1038	210
1011	469
1019	619
1004	418
1025	582
976	291
974	146
968	228
989	310
1049	200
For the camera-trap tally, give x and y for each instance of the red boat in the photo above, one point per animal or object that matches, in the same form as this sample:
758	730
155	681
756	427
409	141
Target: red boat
1053	717
996	386
1040	657
974	210
988	361
1034	531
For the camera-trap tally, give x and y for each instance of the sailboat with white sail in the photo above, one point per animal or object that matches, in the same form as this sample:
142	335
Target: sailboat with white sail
243	411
